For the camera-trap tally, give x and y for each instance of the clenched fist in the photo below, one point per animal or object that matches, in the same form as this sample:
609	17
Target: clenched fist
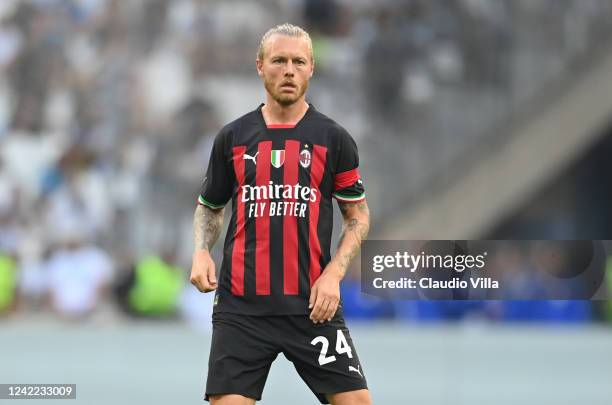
203	271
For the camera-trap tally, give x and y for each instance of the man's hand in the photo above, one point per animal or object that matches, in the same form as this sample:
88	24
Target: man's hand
203	271
325	295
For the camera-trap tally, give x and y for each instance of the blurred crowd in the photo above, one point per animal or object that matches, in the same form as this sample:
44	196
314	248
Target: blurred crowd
108	109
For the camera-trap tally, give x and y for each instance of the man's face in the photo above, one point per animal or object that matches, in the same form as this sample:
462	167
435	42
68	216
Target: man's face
286	68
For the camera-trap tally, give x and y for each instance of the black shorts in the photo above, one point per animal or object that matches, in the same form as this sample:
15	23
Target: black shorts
243	348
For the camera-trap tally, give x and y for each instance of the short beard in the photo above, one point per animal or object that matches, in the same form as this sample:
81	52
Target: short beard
284	100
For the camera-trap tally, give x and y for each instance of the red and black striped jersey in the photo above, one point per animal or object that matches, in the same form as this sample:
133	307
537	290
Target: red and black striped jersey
281	180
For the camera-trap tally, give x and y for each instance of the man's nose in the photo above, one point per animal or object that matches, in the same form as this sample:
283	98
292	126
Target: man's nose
289	69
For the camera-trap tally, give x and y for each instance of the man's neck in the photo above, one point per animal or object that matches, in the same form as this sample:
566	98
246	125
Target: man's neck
275	113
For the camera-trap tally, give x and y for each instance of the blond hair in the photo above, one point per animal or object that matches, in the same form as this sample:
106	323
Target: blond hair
288	30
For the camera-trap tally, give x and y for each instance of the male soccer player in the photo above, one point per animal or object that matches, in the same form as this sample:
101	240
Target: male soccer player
279	289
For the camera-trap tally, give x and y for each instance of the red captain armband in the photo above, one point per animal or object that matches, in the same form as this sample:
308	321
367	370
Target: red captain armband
346	179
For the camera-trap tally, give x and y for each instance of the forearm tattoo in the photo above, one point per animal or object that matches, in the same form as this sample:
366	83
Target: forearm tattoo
355	230
207	225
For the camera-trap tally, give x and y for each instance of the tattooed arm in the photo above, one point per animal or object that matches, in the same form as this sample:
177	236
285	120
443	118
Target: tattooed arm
207	225
325	292
356	226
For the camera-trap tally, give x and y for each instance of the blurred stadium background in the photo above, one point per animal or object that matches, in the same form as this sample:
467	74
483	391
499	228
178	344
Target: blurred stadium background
474	118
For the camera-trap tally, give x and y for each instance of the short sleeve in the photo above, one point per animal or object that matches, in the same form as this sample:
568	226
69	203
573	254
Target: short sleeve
216	188
348	186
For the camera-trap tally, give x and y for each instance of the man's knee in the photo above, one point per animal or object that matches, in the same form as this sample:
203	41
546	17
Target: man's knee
358	397
230	399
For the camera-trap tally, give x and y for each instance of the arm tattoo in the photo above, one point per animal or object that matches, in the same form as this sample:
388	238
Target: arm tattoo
343	208
354	232
207	225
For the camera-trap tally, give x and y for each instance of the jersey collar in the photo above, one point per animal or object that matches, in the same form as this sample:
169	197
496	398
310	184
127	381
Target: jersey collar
262	121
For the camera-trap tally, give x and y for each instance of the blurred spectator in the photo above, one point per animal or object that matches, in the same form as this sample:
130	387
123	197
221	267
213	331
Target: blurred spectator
486	25
78	274
78	193
10	231
322	17
384	69
8	282
33	274
26	157
151	289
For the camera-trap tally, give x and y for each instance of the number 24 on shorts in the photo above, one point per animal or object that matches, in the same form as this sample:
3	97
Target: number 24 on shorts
342	347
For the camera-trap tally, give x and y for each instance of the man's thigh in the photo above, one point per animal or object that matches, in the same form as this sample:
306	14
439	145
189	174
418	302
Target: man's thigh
357	397
231	399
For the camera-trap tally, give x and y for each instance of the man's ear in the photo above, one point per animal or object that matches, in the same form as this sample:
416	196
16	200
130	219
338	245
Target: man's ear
259	66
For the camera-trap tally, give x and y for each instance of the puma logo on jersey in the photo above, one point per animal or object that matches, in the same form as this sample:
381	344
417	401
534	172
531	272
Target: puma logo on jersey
351	368
247	157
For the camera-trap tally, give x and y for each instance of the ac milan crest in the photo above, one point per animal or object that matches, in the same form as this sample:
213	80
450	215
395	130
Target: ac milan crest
305	158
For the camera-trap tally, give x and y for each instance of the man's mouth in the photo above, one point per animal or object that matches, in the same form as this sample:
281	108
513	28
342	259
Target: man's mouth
289	86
